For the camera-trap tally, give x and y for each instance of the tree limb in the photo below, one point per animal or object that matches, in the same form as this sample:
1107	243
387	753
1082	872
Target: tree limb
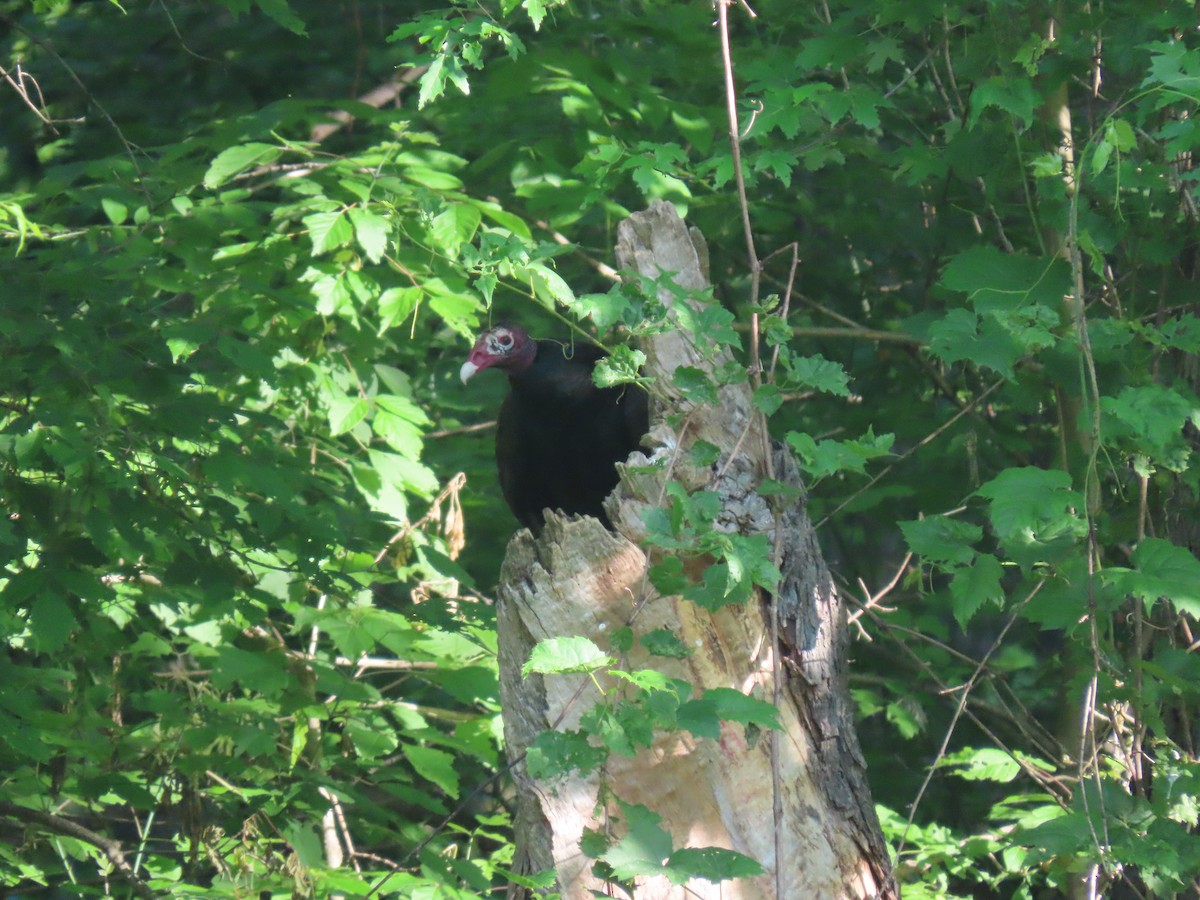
112	849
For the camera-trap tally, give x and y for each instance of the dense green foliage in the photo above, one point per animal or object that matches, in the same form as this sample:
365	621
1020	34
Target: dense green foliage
244	599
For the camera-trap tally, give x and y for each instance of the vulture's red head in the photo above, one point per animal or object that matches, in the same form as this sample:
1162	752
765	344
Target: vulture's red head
506	347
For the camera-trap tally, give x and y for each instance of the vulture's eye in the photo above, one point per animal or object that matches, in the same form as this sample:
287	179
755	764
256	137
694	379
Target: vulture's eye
505	340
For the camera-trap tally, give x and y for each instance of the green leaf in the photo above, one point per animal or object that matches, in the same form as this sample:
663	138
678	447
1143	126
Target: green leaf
621	639
536	10
663	642
555	753
1010	93
865	103
605	310
703	454
372	734
768	398
719	587
434	765
433	81
1047	165
819	374
345	413
371	231
749	557
713	864
779	163
1101	155
264	673
235	160
1161	571
825	458
996	281
548	285
402	407
975	585
700	717
622	366
941	539
566	654
396	305
282	14
303	839
907	718
454	226
399	434
984	764
51	622
502	217
1150	420
328	231
644	849
646	679
624	729
1182	333
1035	514
668	576
117	212
695	385
734	706
964	335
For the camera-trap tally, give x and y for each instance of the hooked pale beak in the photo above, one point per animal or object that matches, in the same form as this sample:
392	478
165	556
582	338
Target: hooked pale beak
468	369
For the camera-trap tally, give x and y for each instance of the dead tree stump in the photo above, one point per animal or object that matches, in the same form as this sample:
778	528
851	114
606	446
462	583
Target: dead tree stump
577	578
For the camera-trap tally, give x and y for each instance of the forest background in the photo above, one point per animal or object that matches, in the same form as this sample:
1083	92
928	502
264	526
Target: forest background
251	526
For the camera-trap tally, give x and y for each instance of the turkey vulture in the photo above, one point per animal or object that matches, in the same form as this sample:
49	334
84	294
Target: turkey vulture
559	436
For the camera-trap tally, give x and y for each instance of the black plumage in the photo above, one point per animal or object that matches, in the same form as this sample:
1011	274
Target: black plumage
559	436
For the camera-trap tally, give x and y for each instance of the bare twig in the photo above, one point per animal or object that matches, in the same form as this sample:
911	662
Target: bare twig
786	308
599	265
756	371
339	817
18	85
83	88
872	600
112	850
735	147
452	487
182	43
377	97
465	429
854	334
965	691
932	436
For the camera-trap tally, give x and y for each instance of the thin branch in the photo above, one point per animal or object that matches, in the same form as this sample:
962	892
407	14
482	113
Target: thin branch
735	147
18	85
932	436
756	370
559	238
465	429
111	849
182	43
965	691
46	46
872	600
453	486
853	334
786	309
377	97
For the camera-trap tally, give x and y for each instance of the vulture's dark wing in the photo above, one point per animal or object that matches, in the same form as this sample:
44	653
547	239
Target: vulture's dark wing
559	436
515	484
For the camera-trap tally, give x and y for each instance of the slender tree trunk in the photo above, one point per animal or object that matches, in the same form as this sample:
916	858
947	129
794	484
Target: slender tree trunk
805	815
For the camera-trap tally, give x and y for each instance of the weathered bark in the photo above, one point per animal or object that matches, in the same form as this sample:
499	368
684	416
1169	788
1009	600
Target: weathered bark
577	578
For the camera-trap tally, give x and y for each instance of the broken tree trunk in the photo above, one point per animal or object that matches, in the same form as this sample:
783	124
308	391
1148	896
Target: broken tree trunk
807	818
